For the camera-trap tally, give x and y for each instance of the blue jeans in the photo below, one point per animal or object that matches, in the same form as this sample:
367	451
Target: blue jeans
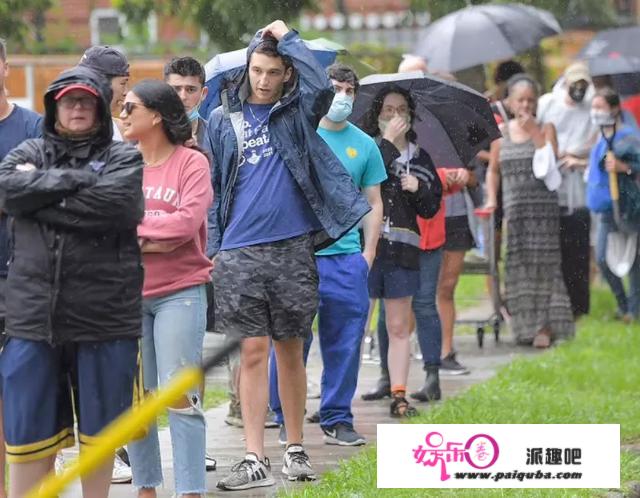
342	315
172	335
428	324
626	303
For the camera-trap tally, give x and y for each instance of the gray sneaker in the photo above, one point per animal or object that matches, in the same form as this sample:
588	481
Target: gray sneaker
249	473
296	465
342	435
450	366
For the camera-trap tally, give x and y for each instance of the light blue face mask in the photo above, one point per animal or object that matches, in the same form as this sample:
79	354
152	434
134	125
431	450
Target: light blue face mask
341	108
194	114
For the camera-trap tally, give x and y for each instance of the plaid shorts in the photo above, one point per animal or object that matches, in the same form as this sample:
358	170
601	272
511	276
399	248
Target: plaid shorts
267	290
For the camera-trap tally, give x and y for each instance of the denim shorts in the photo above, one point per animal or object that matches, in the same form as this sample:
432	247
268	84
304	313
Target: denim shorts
390	281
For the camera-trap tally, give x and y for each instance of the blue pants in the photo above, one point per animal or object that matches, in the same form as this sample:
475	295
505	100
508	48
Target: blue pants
428	324
172	335
342	315
626	303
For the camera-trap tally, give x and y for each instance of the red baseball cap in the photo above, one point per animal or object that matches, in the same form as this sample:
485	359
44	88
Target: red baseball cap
75	86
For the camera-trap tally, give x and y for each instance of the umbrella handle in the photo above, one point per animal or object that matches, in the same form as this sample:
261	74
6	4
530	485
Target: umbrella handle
614	190
613	180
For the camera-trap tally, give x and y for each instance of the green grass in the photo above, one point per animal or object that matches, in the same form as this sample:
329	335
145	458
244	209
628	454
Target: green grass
213	396
593	379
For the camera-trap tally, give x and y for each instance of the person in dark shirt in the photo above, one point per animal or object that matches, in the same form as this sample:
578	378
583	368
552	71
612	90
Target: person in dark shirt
16	125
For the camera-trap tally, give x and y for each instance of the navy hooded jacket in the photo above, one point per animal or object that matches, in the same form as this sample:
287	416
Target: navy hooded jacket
293	120
75	272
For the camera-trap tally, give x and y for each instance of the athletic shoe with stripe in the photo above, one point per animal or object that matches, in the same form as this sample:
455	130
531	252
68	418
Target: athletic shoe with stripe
247	474
296	465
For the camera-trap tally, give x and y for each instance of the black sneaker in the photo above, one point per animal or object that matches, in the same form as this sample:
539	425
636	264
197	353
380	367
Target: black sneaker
210	463
450	366
247	474
314	418
342	435
296	465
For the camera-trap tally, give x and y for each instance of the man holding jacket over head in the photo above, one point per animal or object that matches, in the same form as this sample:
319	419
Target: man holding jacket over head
280	194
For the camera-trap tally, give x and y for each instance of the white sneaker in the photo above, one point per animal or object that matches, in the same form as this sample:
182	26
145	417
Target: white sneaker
296	465
59	463
121	472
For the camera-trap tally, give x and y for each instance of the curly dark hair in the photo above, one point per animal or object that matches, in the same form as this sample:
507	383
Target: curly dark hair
163	99
369	122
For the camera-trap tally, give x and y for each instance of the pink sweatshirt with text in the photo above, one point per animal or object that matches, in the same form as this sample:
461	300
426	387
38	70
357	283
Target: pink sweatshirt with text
177	195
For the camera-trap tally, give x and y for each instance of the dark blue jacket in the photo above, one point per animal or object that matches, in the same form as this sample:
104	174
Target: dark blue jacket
293	120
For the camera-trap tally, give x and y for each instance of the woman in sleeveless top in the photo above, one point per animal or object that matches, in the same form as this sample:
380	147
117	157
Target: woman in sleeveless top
535	294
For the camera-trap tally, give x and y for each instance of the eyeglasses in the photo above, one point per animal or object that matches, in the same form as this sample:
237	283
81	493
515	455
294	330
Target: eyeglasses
70	102
128	107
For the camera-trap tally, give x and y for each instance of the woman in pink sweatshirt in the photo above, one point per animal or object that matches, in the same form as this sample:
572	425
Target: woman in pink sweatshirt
177	191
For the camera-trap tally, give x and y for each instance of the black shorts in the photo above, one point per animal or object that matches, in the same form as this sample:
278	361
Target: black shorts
267	290
458	236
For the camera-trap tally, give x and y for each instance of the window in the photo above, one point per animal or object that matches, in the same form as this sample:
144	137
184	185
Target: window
108	27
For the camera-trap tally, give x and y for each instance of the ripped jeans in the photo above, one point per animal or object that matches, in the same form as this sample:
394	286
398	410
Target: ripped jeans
172	335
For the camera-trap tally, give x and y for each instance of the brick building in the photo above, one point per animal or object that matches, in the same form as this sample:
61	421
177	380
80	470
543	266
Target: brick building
95	22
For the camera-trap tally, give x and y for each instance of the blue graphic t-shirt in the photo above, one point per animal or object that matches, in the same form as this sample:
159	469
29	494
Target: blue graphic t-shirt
17	127
361	157
267	203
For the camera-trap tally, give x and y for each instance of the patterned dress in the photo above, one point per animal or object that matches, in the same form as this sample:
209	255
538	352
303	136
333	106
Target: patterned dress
535	292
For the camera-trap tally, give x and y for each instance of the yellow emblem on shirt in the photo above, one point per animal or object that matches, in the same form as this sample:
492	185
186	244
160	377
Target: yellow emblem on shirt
352	153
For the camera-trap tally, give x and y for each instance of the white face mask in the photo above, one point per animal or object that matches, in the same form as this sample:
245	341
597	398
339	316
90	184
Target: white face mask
602	118
341	108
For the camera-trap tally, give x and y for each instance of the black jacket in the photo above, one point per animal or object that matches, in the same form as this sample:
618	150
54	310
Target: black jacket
75	272
400	239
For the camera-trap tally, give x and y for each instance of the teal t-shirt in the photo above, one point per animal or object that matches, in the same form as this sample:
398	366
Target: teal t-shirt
361	157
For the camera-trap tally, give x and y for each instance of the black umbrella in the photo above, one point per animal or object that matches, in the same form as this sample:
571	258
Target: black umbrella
613	51
453	122
483	33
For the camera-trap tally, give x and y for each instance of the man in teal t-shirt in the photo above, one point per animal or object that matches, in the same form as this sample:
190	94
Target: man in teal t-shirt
343	269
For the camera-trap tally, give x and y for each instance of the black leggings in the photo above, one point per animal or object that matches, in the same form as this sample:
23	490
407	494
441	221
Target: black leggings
575	248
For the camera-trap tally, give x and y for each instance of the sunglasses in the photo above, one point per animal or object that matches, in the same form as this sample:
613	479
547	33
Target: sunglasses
128	107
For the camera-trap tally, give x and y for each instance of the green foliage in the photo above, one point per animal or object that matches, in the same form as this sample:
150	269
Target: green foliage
229	24
589	380
384	59
17	18
595	13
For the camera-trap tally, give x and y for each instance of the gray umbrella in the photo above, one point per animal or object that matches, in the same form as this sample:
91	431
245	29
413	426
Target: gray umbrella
483	33
613	51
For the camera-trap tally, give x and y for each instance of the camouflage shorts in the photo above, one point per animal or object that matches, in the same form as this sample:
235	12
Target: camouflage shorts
267	290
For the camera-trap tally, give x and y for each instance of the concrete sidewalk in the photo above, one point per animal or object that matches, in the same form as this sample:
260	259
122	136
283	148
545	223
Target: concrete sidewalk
226	445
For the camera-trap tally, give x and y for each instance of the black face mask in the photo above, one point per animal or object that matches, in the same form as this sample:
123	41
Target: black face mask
577	93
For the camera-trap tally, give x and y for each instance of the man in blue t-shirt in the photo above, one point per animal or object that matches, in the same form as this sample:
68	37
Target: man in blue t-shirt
343	269
273	201
16	125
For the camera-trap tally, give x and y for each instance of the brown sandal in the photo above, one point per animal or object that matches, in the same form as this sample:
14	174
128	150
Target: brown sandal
400	408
